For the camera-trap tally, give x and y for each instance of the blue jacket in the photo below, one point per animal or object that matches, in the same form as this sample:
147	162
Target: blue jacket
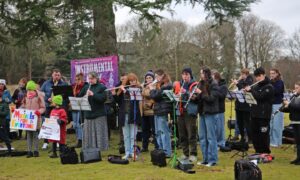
278	91
7	98
47	89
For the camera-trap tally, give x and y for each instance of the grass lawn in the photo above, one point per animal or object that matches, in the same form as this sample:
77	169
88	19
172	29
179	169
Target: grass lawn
46	168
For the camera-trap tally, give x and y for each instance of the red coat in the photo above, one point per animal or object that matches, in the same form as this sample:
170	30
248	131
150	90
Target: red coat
60	113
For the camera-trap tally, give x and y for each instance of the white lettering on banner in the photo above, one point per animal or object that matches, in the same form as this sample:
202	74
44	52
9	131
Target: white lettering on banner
96	67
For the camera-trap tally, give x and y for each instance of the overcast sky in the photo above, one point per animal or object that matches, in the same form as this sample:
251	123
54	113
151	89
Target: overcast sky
285	13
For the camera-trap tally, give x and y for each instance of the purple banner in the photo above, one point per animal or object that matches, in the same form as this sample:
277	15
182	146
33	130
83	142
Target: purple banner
106	67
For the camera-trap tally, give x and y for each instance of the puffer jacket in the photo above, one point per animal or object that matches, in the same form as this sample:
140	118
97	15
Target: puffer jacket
36	103
162	106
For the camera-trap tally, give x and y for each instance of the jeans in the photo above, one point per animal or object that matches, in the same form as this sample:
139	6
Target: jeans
148	128
220	131
129	133
163	134
208	138
77	124
276	126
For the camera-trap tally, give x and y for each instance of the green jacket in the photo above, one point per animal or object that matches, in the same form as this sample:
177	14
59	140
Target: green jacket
4	111
96	101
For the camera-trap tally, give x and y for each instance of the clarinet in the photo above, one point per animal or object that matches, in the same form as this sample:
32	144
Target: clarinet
283	106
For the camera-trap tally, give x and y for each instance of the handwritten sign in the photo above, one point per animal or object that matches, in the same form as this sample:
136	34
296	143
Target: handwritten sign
50	130
24	119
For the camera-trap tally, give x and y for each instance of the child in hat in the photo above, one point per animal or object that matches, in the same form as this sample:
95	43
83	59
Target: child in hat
59	113
33	100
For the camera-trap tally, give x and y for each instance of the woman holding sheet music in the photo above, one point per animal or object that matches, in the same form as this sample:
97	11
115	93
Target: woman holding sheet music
242	109
95	132
77	87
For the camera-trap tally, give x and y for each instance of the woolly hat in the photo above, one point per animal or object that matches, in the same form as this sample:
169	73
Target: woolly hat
31	86
58	100
149	73
2	81
188	70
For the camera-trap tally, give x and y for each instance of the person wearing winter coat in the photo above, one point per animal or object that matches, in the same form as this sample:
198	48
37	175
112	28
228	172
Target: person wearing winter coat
7	98
263	92
162	107
59	114
276	123
293	107
4	110
33	100
148	126
208	104
18	97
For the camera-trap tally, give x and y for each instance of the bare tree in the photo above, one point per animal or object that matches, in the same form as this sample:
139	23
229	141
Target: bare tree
294	45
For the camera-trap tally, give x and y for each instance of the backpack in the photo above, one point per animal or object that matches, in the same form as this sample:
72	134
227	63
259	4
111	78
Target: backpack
246	170
69	156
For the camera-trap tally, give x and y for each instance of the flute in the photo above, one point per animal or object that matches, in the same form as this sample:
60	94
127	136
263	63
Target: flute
114	88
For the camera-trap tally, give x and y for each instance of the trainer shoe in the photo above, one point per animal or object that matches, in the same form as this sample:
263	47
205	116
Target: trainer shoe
45	146
202	163
193	158
211	164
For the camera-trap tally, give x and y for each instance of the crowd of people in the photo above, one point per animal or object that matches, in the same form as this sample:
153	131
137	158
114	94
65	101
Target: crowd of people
199	111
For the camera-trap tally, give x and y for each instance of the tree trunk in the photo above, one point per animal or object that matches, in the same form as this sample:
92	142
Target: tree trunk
104	28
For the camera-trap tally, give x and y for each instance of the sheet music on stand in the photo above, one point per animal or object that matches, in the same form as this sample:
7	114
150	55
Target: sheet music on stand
287	96
135	94
170	94
239	95
80	103
249	98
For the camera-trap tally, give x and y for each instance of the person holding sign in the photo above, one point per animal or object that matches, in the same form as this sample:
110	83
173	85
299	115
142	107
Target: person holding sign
4	111
161	110
59	113
263	92
33	100
95	132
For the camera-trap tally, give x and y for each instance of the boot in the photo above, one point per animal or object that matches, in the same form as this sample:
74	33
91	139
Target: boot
29	155
36	154
53	155
297	160
79	144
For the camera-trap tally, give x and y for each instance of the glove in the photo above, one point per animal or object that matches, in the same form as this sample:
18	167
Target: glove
37	113
60	122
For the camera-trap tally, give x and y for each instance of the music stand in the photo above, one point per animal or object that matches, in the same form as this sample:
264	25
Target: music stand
80	104
249	98
174	99
135	95
231	95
